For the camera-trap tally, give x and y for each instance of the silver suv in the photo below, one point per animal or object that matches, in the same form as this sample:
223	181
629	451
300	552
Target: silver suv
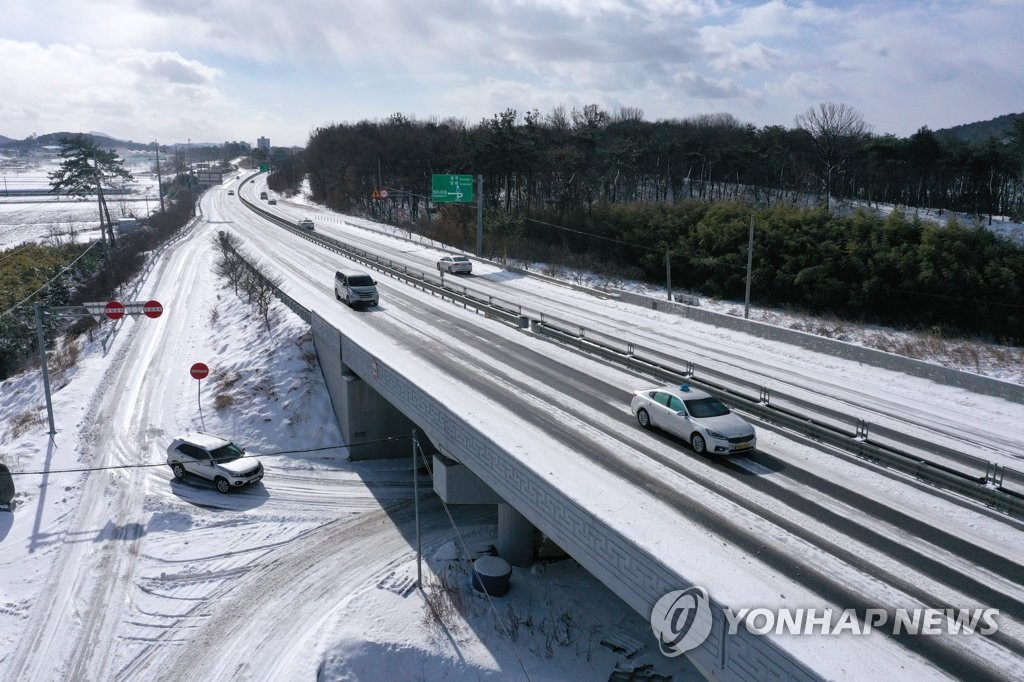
355	288
214	459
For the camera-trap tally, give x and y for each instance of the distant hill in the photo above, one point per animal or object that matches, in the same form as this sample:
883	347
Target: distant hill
998	127
102	139
53	139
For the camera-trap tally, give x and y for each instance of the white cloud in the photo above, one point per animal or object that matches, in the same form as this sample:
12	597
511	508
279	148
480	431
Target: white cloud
241	69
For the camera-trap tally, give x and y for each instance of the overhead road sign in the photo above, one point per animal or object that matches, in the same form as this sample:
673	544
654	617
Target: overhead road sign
449	188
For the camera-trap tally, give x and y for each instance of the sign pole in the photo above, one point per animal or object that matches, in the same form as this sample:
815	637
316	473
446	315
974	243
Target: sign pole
199	371
750	260
480	215
416	505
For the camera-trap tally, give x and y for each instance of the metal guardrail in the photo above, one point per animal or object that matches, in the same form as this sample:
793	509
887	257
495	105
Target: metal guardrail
827	426
987	488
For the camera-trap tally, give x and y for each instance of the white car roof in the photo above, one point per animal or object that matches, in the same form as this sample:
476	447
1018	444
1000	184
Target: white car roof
689	394
203	440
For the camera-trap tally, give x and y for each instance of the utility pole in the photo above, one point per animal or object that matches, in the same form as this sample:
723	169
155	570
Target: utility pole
191	176
159	180
42	363
668	273
750	260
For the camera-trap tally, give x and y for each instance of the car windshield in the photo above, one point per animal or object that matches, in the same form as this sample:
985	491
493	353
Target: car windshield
460	259
360	281
227	453
706	407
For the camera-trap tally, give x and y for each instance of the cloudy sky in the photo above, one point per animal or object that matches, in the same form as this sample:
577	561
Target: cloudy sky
217	70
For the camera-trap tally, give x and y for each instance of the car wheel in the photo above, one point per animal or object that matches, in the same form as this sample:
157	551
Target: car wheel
179	471
643	418
336	297
698	444
222	484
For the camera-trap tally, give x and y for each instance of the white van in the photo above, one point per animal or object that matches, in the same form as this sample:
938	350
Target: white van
355	288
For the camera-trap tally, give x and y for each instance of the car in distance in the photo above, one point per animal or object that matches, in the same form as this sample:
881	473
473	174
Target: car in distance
214	459
231	191
695	416
263	195
455	264
355	288
272	201
305	224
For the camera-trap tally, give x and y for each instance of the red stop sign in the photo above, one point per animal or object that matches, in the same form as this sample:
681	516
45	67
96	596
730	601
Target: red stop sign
152	309
199	371
114	310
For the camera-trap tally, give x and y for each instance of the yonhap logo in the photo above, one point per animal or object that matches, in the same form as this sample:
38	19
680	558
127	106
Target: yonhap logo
681	620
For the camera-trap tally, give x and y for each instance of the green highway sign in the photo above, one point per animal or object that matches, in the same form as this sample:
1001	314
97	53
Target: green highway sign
451	188
264	167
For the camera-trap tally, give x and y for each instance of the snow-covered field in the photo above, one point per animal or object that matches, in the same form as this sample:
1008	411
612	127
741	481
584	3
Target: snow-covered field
55	219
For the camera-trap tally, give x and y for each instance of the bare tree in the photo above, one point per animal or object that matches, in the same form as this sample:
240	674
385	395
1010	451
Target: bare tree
626	113
835	128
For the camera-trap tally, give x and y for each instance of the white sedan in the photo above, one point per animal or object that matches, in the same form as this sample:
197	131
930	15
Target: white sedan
455	264
695	416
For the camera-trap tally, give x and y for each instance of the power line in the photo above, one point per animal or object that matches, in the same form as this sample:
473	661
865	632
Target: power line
163	464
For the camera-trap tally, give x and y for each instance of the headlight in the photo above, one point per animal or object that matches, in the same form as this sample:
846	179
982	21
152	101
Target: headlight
715	434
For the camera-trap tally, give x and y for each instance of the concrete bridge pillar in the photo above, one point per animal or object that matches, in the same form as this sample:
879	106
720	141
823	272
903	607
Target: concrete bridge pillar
515	536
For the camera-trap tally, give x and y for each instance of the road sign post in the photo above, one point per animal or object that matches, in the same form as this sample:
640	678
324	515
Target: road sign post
199	371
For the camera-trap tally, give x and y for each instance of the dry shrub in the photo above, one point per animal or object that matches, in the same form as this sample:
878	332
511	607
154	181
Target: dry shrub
308	354
65	358
25	421
227	379
214	315
224	401
265	386
446	604
966	354
884	342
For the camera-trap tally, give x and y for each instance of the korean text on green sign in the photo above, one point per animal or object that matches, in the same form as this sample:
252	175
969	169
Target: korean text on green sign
451	188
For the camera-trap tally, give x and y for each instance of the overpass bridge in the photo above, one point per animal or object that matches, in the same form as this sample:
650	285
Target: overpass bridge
645	524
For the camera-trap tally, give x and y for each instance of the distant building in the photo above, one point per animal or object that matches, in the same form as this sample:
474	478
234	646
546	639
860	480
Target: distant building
263	144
